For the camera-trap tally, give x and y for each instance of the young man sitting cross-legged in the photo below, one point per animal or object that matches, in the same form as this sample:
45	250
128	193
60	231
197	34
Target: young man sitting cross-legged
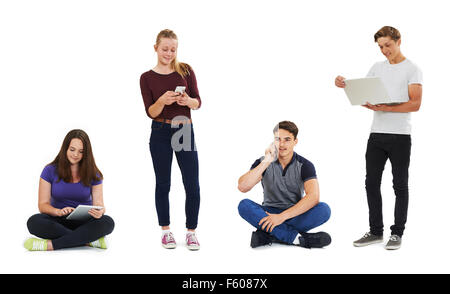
291	204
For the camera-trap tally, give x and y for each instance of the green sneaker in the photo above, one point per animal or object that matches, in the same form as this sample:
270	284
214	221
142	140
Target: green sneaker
100	243
35	244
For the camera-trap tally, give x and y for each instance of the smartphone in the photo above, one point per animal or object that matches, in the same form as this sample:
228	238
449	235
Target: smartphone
180	89
275	151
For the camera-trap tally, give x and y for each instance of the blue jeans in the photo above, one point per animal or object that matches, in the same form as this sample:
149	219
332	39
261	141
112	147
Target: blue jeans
162	152
252	212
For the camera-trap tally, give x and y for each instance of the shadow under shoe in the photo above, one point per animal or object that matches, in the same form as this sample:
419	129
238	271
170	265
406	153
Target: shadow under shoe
314	240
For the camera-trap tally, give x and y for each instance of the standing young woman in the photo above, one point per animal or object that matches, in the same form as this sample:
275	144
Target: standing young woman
171	114
70	180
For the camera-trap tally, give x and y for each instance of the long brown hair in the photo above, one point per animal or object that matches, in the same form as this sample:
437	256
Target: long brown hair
181	68
87	167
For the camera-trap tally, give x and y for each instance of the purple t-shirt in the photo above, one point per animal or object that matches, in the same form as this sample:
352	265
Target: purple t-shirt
65	194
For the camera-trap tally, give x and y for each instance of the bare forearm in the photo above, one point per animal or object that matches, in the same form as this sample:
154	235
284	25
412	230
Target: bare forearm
193	103
47	208
410	106
415	99
252	177
305	204
156	109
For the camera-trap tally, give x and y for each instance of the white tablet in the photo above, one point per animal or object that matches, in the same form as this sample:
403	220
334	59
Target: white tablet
81	212
361	91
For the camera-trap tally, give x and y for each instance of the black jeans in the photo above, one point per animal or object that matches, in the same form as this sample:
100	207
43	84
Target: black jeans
164	142
396	148
66	233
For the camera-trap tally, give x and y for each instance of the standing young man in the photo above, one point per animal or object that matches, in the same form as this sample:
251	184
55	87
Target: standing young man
291	204
390	136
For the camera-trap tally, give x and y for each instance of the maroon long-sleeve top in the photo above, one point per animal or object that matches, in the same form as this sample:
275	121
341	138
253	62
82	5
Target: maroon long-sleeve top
154	85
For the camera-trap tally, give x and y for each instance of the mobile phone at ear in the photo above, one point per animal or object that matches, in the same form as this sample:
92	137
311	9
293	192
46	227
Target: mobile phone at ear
180	89
276	151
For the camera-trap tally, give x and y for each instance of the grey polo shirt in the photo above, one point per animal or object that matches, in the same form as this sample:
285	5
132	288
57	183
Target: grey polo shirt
285	188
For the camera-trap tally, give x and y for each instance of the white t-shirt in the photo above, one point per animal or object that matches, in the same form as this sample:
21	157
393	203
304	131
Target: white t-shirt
396	78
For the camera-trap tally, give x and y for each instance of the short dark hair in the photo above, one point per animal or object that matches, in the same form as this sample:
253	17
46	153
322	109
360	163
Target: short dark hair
288	126
387	31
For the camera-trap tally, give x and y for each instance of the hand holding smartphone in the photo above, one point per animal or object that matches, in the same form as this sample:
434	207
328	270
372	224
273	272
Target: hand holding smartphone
271	153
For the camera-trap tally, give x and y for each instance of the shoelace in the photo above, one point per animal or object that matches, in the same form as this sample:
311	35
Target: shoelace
191	238
368	234
394	238
96	244
169	238
38	245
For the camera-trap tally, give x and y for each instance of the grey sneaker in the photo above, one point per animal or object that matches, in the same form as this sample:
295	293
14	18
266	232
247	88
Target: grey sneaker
368	239
394	242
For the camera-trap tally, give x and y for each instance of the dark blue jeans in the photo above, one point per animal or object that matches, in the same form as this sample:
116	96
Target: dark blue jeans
162	150
252	212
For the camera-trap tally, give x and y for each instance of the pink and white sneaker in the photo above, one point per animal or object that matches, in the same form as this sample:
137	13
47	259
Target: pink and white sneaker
168	241
192	242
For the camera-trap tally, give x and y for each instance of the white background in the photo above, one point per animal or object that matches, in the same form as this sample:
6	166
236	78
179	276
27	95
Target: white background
76	64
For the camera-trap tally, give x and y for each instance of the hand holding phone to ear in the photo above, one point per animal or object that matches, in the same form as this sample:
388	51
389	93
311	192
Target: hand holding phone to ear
271	153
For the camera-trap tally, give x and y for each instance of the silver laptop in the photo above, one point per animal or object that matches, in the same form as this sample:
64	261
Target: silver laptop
361	91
